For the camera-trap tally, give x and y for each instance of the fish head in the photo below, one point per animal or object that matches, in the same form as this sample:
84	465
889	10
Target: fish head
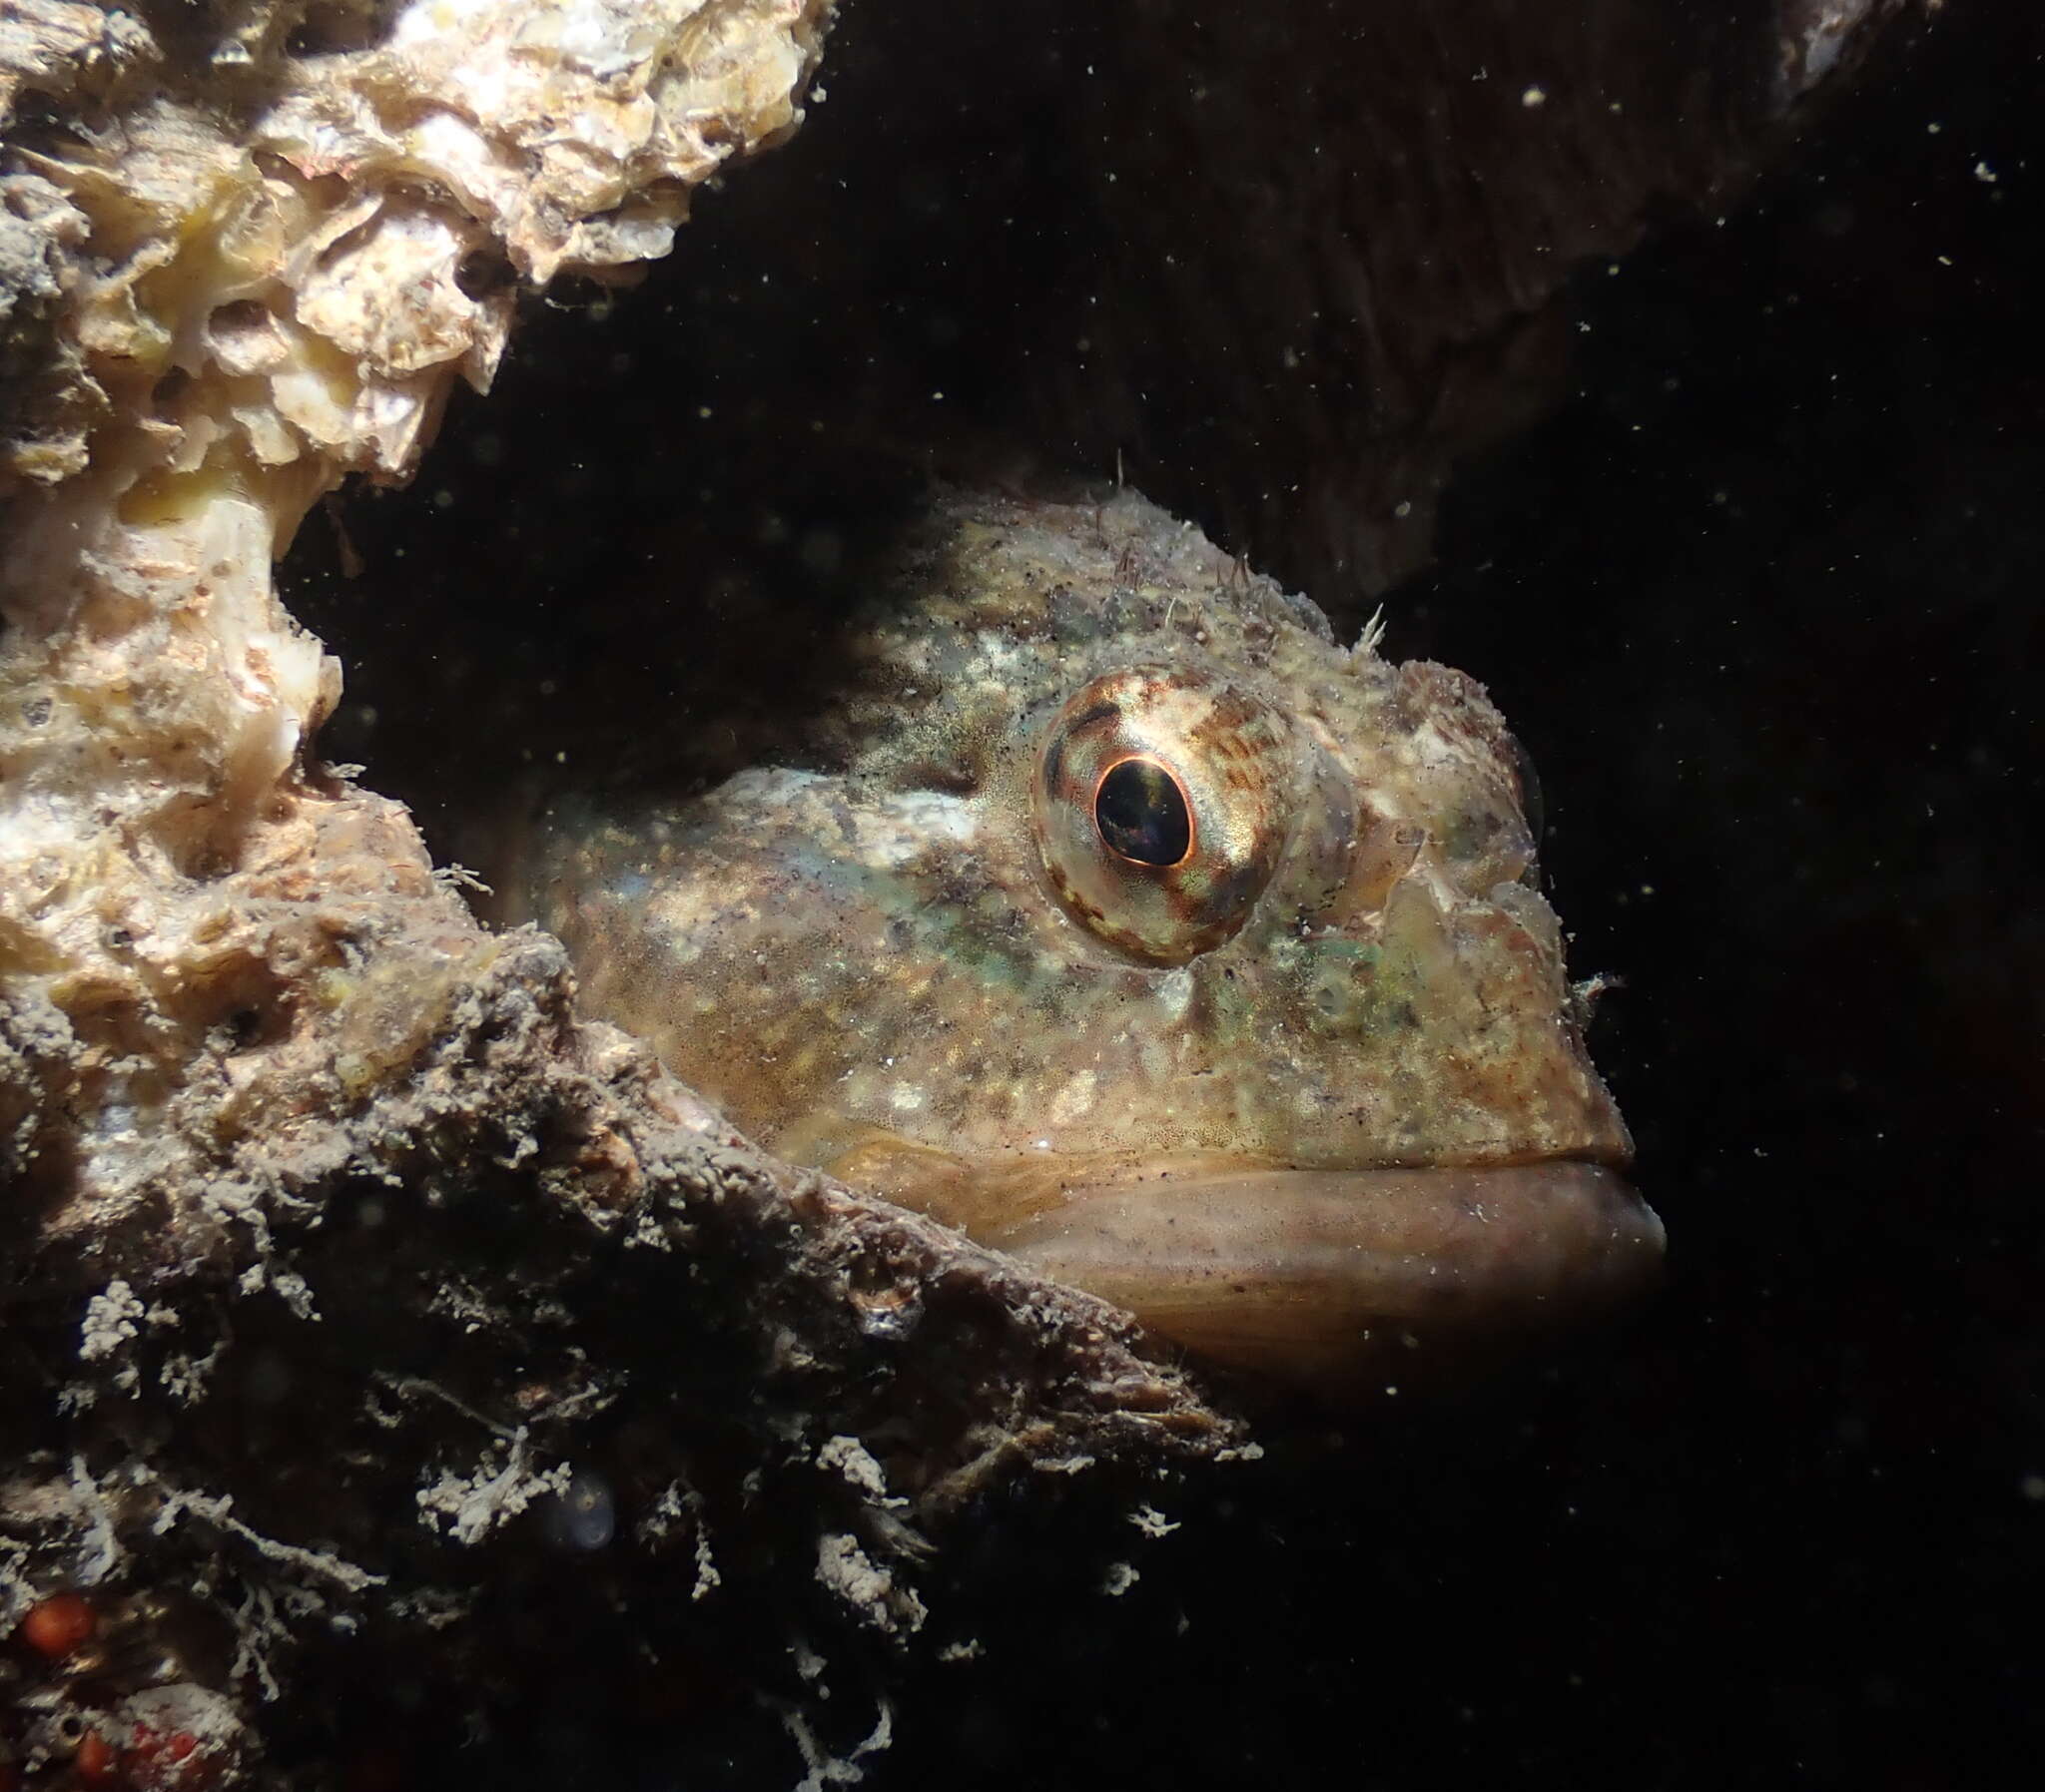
1107	907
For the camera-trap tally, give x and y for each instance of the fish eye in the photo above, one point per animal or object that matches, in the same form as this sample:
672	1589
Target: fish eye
1141	809
1161	802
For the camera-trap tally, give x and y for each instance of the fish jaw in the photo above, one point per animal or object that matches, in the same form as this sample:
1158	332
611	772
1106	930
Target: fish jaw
1346	1283
1338	1283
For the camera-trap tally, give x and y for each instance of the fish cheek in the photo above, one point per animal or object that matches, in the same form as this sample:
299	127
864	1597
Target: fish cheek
1485	843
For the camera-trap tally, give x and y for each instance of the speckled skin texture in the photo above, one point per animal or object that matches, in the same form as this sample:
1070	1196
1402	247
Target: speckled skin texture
906	953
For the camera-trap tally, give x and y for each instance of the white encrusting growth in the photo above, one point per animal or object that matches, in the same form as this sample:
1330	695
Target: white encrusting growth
1075	1099
1174	993
915	824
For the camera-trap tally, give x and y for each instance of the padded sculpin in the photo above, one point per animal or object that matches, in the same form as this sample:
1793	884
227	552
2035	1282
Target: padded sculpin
1110	909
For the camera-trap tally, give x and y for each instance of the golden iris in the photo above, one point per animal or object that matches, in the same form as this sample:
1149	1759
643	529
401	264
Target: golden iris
1161	802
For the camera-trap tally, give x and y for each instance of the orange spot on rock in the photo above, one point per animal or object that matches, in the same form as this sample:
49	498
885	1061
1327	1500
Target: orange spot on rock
59	1624
94	1762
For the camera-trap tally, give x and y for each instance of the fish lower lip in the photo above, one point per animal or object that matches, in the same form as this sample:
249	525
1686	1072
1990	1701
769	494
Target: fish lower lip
1328	1276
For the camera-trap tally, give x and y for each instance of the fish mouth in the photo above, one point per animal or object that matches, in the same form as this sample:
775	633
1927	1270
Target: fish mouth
1341	1282
1352	1282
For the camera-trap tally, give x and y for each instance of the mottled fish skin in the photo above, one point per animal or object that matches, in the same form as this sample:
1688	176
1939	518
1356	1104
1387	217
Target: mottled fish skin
909	953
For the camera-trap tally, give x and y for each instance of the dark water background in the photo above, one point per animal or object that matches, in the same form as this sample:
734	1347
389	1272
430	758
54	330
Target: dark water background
1763	598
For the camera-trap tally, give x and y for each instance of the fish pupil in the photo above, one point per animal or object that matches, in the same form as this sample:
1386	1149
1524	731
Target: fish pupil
1141	813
